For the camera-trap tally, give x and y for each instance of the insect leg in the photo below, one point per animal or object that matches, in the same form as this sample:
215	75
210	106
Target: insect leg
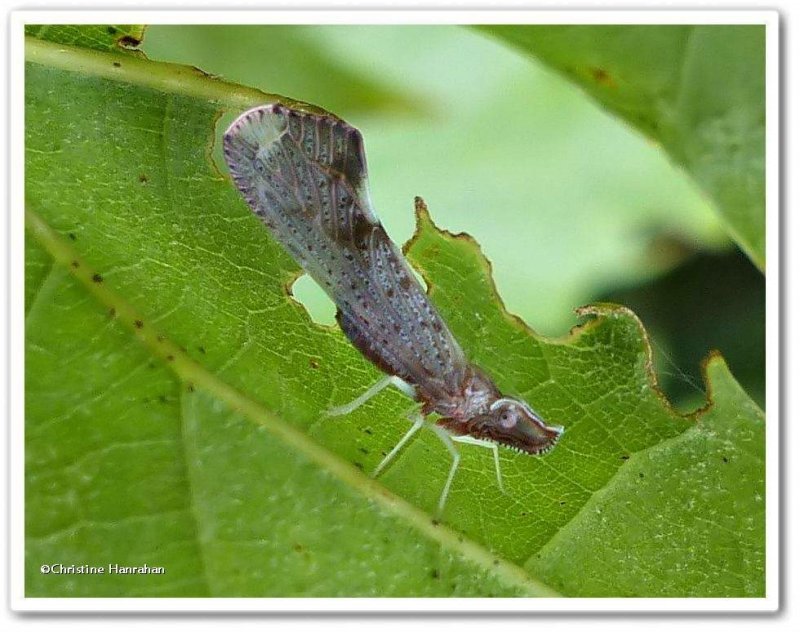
389	380
418	421
448	443
485	444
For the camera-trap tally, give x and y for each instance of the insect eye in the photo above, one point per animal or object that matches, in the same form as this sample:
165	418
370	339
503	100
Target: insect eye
508	418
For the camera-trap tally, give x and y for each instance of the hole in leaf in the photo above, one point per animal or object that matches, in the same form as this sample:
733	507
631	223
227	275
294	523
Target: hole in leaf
318	304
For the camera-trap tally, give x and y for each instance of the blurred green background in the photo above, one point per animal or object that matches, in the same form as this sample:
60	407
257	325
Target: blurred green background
569	203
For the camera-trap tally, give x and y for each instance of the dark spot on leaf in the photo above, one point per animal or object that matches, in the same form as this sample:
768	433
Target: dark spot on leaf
160	338
190	387
625	457
368	431
201	349
76	265
128	41
601	77
562	503
142	178
170	358
496	562
72	236
360	466
363	450
435	522
112	312
724	459
138	324
298	548
162	399
97	278
112	30
641	474
435	573
314	364
116	64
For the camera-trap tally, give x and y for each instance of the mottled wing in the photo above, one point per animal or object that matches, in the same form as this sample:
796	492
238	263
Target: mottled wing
305	176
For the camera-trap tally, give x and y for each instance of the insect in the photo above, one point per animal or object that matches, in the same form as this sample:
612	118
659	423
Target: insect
304	173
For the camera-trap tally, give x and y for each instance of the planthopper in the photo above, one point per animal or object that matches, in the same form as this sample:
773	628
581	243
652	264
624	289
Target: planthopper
304	173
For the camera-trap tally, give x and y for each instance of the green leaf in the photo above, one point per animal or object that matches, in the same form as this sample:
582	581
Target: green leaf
174	393
697	90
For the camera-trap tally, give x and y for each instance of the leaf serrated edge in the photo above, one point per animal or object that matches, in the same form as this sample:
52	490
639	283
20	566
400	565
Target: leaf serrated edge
596	312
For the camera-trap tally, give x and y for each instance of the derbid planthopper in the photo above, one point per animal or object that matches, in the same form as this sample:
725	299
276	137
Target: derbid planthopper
304	173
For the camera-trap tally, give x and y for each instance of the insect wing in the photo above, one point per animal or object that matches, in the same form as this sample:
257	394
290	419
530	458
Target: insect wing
305	176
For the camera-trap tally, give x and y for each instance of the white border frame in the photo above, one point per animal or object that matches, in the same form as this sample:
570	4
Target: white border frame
19	602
